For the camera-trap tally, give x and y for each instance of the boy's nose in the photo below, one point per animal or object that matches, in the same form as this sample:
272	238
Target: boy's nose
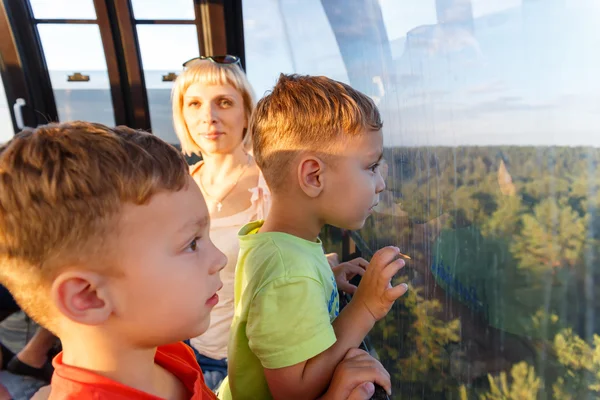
222	260
380	186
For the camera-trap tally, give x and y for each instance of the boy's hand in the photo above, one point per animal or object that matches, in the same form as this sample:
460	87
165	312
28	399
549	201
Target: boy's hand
355	376
375	291
344	272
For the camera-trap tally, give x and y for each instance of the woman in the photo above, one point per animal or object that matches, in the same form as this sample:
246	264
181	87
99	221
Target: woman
212	103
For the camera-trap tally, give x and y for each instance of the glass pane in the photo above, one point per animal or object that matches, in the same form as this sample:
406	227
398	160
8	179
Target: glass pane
6	126
159	9
278	40
492	142
75	59
63	9
164	48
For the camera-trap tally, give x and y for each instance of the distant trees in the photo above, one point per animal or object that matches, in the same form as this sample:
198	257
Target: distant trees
535	209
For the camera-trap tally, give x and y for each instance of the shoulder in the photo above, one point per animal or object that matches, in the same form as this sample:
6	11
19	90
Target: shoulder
196	167
280	256
261	196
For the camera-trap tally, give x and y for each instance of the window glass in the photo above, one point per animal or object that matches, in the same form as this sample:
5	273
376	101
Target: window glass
159	9
78	72
493	179
63	9
6	126
164	49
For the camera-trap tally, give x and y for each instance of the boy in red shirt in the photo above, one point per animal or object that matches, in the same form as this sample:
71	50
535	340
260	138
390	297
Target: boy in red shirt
104	241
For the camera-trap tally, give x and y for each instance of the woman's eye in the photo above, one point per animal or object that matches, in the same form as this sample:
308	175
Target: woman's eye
225	103
193	104
374	167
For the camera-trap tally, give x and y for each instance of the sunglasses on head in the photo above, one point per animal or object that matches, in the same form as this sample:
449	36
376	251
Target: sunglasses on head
226	59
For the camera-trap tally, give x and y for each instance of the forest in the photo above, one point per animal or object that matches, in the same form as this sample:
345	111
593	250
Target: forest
504	253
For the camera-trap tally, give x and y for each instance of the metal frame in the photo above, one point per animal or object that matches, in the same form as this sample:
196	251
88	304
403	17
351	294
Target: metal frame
11	69
32	79
234	26
125	66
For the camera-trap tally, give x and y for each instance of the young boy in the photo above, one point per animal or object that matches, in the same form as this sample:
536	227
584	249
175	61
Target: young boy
105	243
104	240
318	143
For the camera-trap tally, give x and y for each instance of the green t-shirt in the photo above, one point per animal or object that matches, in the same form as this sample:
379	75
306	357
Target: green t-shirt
285	300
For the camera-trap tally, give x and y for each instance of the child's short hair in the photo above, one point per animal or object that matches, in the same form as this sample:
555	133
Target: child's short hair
62	187
306	113
209	73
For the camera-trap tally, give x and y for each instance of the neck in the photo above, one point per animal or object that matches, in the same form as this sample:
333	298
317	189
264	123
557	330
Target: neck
113	359
299	220
219	167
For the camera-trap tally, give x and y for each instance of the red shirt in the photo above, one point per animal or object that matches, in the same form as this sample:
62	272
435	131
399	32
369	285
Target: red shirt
76	383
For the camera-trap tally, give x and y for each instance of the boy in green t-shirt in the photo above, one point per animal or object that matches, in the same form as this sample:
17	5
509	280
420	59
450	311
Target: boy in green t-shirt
319	144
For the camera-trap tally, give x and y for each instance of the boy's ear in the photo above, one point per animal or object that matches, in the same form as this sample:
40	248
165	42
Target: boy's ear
82	296
310	175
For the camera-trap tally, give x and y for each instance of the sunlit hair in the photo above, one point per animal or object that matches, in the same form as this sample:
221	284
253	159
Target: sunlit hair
62	187
208	73
311	113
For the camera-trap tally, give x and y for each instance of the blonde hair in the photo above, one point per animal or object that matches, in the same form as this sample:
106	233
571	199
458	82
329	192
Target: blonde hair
306	113
62	187
209	73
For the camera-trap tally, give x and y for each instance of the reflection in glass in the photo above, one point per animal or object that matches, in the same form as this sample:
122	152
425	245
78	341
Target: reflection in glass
63	9
164	49
159	9
6	126
71	49
493	181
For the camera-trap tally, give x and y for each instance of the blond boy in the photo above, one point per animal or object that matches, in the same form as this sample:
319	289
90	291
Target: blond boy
319	145
104	241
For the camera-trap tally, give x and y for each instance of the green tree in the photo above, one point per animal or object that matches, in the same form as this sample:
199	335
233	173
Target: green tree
426	339
525	384
552	238
581	366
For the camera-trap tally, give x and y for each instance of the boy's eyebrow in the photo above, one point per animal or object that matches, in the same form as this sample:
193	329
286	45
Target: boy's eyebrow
195	224
379	158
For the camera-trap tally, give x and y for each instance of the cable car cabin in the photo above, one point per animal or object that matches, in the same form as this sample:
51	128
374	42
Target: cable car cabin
491	115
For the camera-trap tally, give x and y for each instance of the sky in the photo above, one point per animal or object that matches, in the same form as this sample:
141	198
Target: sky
526	73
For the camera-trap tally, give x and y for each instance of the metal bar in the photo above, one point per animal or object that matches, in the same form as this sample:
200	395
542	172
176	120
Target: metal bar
234	26
64	21
11	70
120	108
202	46
361	244
120	15
211	17
31	63
165	22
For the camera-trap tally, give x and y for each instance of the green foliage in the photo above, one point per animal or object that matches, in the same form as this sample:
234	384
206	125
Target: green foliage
581	366
537	211
552	237
525	384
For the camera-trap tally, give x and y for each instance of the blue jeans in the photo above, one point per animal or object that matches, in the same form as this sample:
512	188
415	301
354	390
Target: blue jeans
214	371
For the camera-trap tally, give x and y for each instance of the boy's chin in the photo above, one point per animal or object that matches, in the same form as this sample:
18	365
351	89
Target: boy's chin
203	326
198	330
355	225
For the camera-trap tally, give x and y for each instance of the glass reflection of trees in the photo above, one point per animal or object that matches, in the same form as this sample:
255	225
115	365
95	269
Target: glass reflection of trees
503	240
